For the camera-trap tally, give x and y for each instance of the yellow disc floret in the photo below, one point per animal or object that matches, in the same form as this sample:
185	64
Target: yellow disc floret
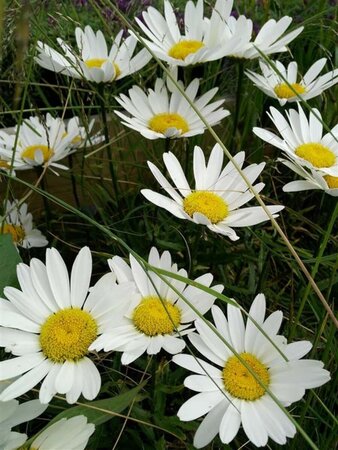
17	232
154	316
67	334
207	203
284	91
98	62
317	154
161	122
29	152
184	48
239	382
4	164
332	182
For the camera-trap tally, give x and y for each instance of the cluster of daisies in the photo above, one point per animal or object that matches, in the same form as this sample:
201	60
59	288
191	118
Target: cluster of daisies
54	322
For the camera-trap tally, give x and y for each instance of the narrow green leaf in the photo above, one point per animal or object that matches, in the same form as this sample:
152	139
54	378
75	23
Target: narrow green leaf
9	258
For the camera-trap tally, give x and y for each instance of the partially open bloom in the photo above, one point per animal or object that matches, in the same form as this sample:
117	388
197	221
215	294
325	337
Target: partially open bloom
312	179
218	195
302	139
201	41
41	142
12	414
49	325
273	84
229	394
165	113
70	434
157	316
18	222
82	134
91	60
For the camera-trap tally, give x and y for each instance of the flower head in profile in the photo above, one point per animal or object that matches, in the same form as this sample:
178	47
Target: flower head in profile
157	316
165	113
18	222
273	84
218	195
302	139
229	393
270	39
50	322
70	434
13	414
92	60
203	39
312	179
41	142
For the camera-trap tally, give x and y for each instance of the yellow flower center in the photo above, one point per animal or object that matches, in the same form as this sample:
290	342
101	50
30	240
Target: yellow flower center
67	334
207	203
332	182
153	316
4	164
284	91
97	63
184	48
29	152
17	232
75	140
239	382
161	122
316	154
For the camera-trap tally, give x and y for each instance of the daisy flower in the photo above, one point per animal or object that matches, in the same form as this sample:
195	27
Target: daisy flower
19	223
157	316
49	324
274	85
91	60
39	143
201	41
70	434
165	113
270	39
81	134
313	179
218	195
302	139
229	393
13	414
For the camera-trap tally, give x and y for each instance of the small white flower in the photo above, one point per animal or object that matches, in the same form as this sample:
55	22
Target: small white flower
311	85
229	394
239	31
156	317
12	414
165	113
70	434
49	325
39	143
203	39
218	195
313	179
92	61
19	223
302	139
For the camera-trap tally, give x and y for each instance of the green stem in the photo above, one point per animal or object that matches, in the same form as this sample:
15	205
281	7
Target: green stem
48	215
73	181
107	140
315	269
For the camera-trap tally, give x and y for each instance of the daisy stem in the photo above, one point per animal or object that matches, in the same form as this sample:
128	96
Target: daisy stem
240	74
101	99
73	181
322	248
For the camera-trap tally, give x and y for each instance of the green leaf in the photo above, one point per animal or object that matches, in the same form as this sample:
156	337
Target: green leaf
9	258
101	411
